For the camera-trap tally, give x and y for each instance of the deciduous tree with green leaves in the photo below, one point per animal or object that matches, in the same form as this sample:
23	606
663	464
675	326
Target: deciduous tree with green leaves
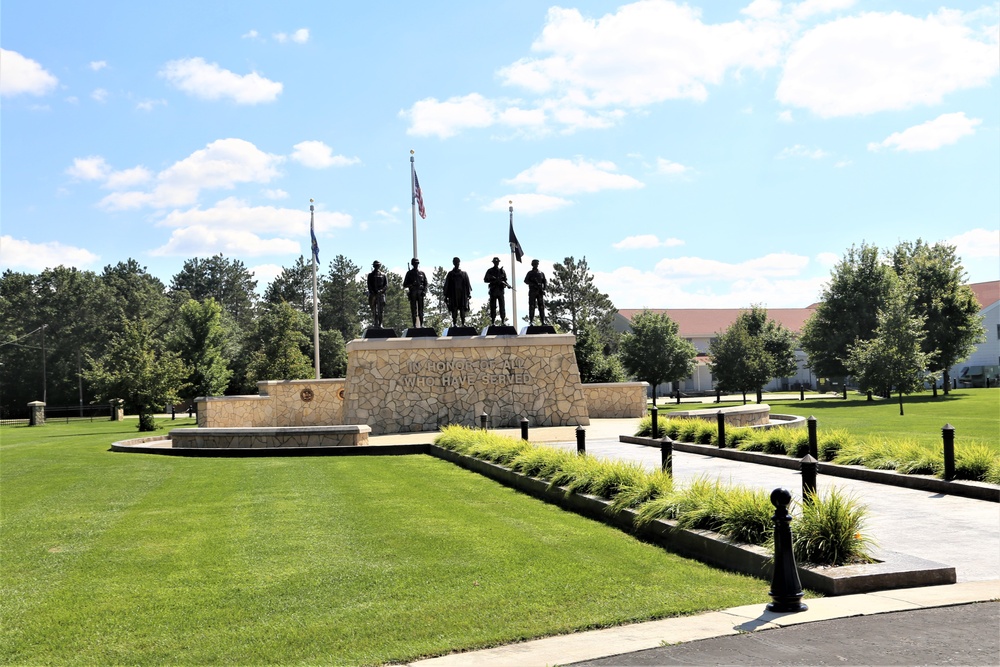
751	352
200	342
594	364
653	352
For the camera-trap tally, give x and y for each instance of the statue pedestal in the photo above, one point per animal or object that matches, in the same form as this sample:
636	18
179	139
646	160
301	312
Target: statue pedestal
375	332
499	330
420	384
461	331
532	329
419	332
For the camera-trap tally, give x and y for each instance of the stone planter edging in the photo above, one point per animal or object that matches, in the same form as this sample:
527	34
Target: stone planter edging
894	571
963	488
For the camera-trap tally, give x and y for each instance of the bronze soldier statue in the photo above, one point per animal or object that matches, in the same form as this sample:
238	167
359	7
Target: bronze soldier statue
415	283
535	280
377	285
457	291
497	279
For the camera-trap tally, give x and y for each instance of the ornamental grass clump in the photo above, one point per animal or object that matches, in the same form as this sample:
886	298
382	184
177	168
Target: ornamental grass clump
649	487
830	530
541	462
736	435
705	432
973	461
777	440
747	515
829	443
798	442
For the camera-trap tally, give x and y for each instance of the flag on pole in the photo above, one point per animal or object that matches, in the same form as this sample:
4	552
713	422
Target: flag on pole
515	246
418	196
315	245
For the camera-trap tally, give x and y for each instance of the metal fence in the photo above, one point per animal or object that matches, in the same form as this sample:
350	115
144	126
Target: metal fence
55	413
14	416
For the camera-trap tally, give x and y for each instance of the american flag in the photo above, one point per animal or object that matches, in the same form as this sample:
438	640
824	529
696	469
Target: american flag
418	196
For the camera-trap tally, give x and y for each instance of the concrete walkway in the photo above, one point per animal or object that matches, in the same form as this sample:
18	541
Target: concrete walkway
956	531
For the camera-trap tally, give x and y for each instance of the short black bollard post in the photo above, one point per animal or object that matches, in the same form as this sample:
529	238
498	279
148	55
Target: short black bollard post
718	396
524	428
173	412
667	456
802	394
720	420
786	589
813	439
845	391
808	466
948	436
654	417
482	420
678	397
581	440
190	408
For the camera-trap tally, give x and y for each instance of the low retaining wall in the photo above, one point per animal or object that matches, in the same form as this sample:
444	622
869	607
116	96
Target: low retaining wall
894	570
278	437
616	400
279	403
740	415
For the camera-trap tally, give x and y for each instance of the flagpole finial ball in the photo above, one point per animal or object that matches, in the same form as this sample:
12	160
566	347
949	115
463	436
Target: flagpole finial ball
311	200
411	151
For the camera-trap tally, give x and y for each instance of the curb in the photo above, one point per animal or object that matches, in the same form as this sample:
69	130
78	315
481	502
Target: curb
964	489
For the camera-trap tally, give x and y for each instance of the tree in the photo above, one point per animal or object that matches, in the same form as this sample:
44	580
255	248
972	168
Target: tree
573	298
200	342
859	286
227	281
332	354
654	353
892	359
294	285
436	314
594	364
136	294
397	305
342	299
137	370
952	323
752	351
277	344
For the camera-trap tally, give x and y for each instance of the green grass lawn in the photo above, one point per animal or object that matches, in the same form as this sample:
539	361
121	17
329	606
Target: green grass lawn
112	558
975	414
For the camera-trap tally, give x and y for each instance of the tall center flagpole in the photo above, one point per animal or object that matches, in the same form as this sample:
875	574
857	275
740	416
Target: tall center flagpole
312	232
413	202
513	271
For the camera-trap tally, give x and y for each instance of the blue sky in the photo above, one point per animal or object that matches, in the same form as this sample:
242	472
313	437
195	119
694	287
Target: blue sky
710	154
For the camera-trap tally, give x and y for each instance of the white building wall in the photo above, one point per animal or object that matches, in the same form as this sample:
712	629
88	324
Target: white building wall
988	352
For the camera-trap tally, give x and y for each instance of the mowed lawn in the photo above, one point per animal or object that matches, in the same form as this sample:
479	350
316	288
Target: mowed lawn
975	414
114	558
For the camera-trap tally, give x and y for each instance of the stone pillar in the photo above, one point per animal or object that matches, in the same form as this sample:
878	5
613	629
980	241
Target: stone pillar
37	416
117	409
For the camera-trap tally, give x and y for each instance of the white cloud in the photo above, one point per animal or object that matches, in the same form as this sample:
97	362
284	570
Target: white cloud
839	164
20	75
17	253
645	241
429	117
977	243
301	36
774	265
785	116
762	9
235	214
222	164
93	168
669	168
276	193
827	259
127	178
809	8
99	95
250	34
876	62
798	150
528	204
98	65
317	155
264	274
149	105
566	177
203	241
211	82
944	130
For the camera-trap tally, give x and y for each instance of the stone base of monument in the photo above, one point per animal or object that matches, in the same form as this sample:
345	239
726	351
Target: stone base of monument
376	332
533	329
499	330
267	438
461	331
421	384
419	332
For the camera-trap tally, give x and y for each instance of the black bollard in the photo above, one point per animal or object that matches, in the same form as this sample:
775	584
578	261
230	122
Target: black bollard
678	397
653	414
524	428
808	466
802	394
720	420
718	396
482	420
173	412
948	436
581	440
845	391
786	589
813	440
667	455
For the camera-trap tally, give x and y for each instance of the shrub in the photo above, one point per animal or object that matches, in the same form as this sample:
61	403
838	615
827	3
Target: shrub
699	506
737	435
973	461
686	430
777	440
576	474
672	427
830	530
798	442
993	473
645	427
829	443
705	432
649	487
747	515
540	462
752	442
613	476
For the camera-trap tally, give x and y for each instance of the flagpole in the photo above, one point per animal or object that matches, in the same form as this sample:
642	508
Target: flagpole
413	202
513	272
312	231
